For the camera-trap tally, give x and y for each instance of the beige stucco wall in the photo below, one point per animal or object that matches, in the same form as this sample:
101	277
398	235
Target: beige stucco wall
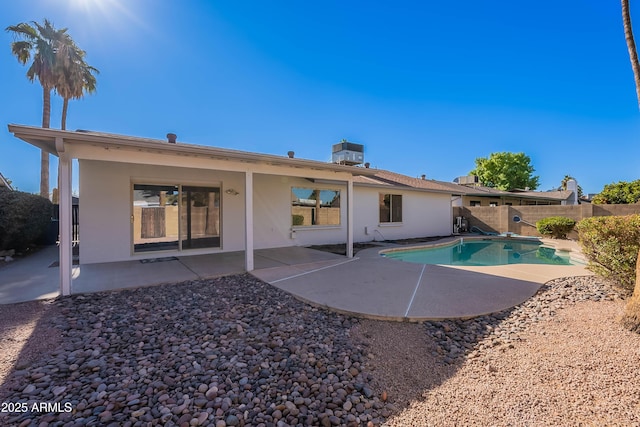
272	214
106	210
423	214
106	207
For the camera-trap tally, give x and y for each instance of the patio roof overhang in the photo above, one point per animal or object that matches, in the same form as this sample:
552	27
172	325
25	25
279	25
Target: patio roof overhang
55	142
85	145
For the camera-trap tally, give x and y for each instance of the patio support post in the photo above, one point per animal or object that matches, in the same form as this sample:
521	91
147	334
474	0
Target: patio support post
65	207
350	218
248	223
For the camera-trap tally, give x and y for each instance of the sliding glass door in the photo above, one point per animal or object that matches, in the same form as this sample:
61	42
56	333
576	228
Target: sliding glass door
200	217
175	217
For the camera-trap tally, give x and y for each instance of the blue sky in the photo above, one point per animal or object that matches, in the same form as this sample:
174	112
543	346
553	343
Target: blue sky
426	87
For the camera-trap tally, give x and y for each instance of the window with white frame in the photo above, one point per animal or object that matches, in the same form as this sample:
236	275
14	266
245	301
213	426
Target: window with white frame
390	208
314	206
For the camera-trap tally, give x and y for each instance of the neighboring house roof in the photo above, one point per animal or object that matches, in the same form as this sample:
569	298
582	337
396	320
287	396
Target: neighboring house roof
481	191
5	183
384	178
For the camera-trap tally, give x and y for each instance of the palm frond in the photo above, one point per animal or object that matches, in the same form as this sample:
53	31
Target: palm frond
22	51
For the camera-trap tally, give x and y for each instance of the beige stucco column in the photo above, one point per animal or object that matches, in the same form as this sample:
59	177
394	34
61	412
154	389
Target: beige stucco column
65	218
248	222
350	218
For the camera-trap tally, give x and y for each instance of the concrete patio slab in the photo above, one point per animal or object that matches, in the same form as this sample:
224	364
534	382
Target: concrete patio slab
30	278
359	286
447	292
369	285
294	255
284	272
89	278
382	288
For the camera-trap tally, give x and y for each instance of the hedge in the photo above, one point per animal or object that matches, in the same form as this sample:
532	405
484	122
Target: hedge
610	244
555	226
297	219
24	219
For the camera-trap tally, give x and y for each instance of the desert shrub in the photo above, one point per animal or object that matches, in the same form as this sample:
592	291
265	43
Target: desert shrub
611	245
297	219
24	218
555	226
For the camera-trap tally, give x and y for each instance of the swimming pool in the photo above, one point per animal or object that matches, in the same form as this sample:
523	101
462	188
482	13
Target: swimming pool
484	252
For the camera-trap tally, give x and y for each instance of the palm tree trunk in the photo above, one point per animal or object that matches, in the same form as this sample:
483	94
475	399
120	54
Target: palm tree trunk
631	46
65	106
44	156
631	317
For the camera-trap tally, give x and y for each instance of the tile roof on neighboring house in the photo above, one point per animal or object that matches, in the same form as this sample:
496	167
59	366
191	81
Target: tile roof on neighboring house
494	192
5	183
384	178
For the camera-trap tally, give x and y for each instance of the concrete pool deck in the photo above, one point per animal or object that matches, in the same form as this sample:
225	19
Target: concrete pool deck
372	286
367	285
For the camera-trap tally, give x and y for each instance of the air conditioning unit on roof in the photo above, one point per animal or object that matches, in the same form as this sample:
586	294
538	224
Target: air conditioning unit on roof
347	153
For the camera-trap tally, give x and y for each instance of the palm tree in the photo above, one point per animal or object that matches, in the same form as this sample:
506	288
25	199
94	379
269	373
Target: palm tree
631	46
40	43
631	317
75	77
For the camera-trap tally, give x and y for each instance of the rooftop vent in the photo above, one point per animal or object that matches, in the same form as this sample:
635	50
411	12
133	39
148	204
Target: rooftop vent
291	154
171	138
347	153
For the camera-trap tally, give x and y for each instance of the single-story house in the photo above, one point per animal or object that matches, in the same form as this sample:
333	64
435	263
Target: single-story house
143	197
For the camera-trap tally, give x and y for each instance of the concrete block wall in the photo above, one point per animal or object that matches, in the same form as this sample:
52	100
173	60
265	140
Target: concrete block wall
499	219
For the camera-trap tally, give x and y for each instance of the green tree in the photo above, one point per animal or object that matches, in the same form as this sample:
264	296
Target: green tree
620	193
74	77
40	43
506	171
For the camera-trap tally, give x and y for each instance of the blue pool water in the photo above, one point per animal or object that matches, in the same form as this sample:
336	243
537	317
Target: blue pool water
483	253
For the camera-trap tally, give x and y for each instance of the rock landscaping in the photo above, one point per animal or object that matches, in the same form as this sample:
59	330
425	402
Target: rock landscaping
235	351
459	339
225	352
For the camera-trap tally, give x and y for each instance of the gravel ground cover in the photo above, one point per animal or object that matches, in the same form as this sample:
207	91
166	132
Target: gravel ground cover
235	351
226	352
559	359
